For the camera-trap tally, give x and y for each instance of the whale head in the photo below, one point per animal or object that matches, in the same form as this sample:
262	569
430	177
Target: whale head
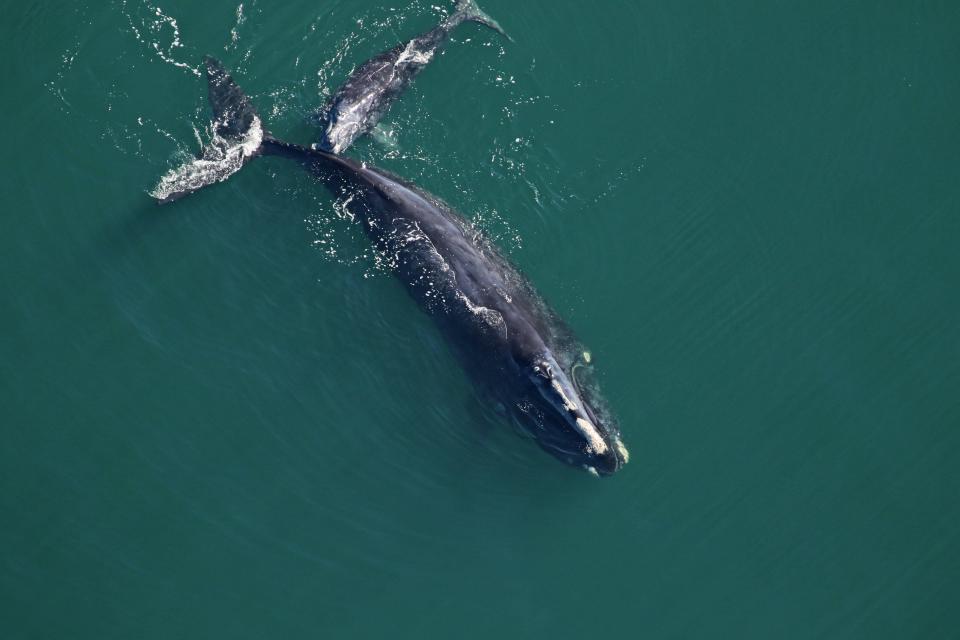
343	128
566	419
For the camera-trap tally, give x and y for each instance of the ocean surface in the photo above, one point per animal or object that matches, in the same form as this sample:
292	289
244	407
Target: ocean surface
222	419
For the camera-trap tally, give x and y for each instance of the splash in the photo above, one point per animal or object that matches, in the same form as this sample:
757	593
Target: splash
410	53
240	39
56	87
235	31
221	159
151	31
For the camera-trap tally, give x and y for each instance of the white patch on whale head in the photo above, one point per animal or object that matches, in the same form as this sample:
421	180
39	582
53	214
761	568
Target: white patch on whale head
596	443
622	450
568	404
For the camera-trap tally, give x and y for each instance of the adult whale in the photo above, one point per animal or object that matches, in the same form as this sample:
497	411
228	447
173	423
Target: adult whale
370	90
507	337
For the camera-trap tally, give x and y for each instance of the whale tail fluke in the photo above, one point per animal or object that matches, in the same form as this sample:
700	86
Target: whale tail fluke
469	11
233	113
237	135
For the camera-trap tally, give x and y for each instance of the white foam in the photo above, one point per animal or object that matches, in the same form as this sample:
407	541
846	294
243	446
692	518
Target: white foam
491	317
154	27
221	159
235	31
410	53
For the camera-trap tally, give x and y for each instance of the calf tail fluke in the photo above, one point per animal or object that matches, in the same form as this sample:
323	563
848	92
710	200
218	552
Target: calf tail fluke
469	11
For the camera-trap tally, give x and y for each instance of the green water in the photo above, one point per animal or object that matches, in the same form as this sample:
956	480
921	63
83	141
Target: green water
220	420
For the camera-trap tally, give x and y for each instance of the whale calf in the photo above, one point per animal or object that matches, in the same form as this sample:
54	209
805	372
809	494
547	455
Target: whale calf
507	338
370	90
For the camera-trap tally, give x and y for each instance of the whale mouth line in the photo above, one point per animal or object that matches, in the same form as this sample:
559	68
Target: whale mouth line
573	376
579	389
622	453
571	454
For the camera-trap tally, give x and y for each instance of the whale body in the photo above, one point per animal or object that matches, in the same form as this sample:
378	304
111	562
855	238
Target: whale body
507	338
